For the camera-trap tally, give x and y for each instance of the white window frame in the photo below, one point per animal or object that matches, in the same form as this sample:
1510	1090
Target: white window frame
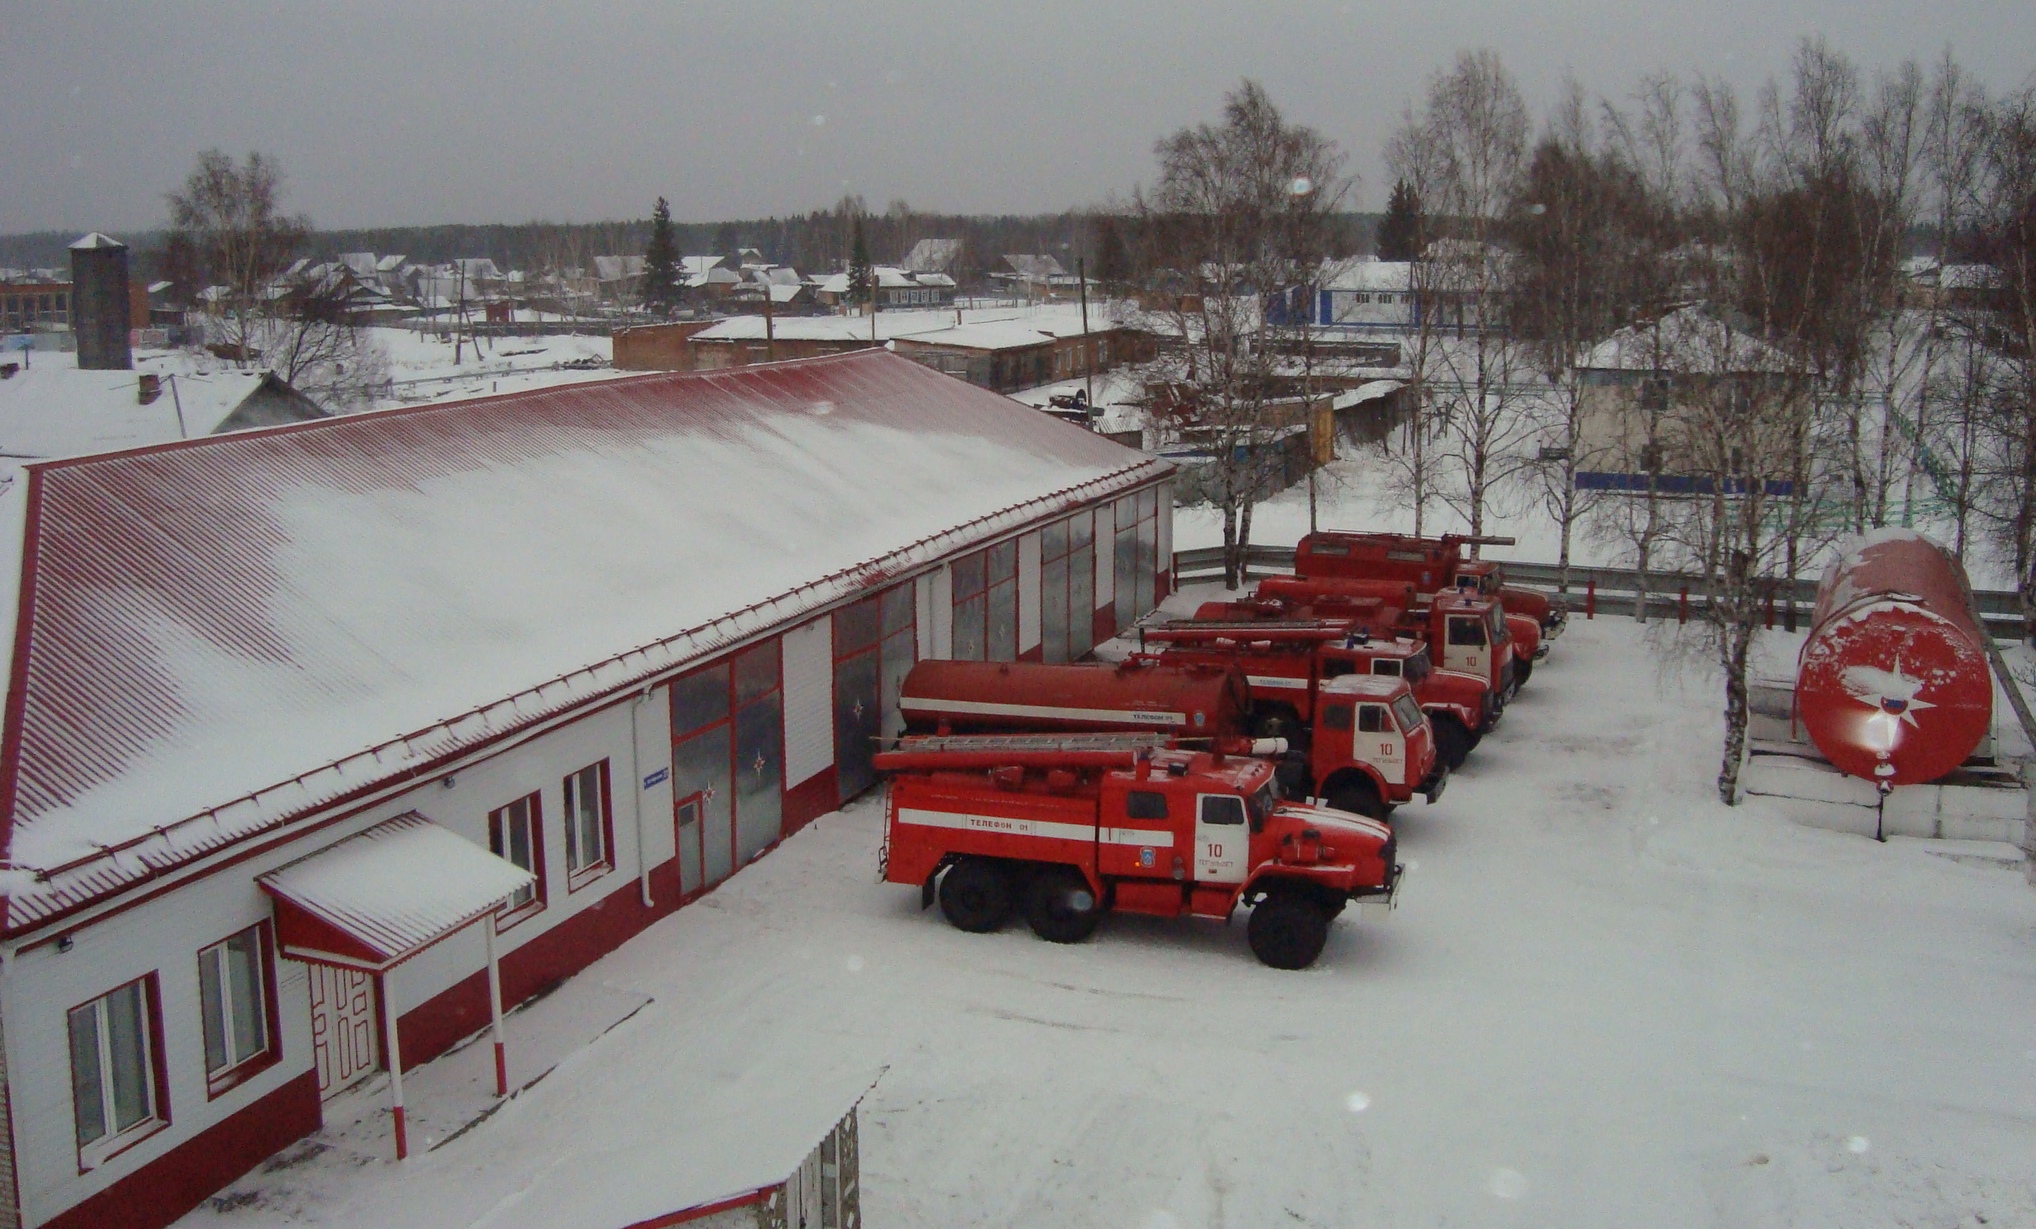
216	956
579	869
530	898
96	1152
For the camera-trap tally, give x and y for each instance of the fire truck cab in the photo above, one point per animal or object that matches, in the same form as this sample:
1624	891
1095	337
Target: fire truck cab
1431	565
1064	827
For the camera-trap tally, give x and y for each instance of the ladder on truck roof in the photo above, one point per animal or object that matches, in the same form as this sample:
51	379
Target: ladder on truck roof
968	751
1247	630
1034	742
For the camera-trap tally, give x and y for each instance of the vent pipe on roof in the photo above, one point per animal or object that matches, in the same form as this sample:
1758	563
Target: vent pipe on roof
99	303
147	388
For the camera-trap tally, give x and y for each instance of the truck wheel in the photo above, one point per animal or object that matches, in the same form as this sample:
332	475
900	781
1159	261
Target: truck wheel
975	895
1452	740
1359	797
1287	930
1522	671
1061	907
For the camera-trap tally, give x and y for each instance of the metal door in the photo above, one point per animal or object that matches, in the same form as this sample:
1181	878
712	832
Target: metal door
1468	648
1380	742
759	777
691	842
858	722
345	1042
1221	839
700	766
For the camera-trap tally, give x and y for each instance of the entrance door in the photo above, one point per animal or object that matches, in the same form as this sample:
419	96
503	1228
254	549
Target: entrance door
692	843
858	722
1221	839
1468	649
345	1042
1380	742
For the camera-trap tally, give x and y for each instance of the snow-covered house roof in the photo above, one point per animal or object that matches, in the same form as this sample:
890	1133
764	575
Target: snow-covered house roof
1034	268
390	264
616	268
694	266
222	636
363	264
1367	275
53	409
932	255
1970	277
1686	341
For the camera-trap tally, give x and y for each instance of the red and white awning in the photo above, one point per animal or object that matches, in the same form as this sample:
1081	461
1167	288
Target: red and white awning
381	896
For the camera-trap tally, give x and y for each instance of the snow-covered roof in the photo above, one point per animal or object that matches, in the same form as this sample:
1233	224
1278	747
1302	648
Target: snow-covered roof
1370	390
1366	274
227	634
1035	267
1015	334
694	266
932	255
1688	340
615	268
402	884
1970	277
96	242
389	264
52	409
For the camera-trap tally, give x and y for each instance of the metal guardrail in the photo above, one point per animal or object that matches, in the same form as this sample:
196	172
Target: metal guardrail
1616	588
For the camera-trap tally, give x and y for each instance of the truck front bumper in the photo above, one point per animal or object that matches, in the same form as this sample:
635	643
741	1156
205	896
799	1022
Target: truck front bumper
1437	781
1380	905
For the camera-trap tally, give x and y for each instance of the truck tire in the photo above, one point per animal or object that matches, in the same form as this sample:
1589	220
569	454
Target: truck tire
1523	669
1287	930
1060	906
975	894
1452	740
1359	797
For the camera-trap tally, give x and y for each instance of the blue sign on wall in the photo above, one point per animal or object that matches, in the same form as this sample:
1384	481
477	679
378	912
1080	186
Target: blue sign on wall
657	778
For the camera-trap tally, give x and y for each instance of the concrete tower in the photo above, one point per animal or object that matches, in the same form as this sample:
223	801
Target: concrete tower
99	303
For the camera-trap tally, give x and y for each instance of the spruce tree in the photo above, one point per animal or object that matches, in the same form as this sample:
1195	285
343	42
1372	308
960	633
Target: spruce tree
1400	229
861	278
661	288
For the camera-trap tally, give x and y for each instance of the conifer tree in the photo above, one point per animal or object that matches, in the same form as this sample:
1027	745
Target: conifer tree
1400	229
661	288
861	278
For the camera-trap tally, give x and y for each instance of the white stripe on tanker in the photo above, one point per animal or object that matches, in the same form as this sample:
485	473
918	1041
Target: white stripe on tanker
990	708
1045	829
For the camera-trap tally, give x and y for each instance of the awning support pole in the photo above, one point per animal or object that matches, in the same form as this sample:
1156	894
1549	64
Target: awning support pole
393	1052
495	1009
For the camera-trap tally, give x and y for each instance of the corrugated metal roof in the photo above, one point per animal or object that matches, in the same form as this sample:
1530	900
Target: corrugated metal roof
400	885
221	635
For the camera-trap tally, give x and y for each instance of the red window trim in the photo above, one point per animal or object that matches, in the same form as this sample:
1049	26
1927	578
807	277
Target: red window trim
537	902
159	1076
218	1085
575	880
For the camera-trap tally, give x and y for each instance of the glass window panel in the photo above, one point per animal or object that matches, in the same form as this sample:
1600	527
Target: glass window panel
968	576
1003	561
243	976
1081	601
127	1044
701	765
1001	633
968	628
1053	540
1125	561
855	628
211	1003
759	777
86	1080
1144	804
900	652
1053	612
898	608
1223	809
700	700
1148	559
1148	503
1371	719
756	672
1081	530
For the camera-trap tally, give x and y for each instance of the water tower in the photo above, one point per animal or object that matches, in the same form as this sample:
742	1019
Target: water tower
99	303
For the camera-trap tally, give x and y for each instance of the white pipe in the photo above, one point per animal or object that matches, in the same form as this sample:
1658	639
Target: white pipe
636	801
495	1009
393	1052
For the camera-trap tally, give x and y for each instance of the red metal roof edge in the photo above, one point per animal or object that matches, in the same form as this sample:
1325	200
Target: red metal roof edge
17	676
334	422
1153	468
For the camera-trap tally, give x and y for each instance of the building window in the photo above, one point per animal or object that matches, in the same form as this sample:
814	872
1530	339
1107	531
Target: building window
516	835
589	828
237	1000
116	1080
1137	555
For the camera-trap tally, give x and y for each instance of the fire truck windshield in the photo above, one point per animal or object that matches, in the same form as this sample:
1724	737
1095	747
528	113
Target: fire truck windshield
1408	712
1262	803
1418	667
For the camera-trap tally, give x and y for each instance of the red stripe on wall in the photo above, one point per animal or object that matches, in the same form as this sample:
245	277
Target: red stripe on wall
190	1173
814	797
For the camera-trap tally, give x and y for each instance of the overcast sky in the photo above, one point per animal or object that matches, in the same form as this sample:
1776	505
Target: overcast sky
394	112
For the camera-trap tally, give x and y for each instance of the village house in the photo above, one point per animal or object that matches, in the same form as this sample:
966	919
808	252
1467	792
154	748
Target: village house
1007	355
52	409
327	743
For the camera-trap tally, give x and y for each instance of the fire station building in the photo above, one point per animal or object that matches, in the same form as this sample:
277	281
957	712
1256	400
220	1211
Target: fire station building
327	742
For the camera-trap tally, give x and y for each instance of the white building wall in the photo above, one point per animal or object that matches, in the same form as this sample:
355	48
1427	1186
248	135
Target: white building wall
650	806
809	700
1028	593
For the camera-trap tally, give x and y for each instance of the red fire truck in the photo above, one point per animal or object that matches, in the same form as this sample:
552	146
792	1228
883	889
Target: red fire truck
1365	747
1468	632
1062	827
1430	564
1284	661
1336	597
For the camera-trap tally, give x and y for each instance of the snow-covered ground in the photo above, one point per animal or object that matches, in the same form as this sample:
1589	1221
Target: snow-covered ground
1605	1000
423	368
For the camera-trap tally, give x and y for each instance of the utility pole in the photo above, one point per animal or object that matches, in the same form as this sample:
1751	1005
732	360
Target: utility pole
770	327
1088	342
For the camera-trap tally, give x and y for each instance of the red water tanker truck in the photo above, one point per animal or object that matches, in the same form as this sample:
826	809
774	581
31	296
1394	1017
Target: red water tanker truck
1893	684
1062	827
1367	749
1467	631
1430	564
1285	661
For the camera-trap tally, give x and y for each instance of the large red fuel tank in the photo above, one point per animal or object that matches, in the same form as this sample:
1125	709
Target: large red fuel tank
974	697
1893	683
